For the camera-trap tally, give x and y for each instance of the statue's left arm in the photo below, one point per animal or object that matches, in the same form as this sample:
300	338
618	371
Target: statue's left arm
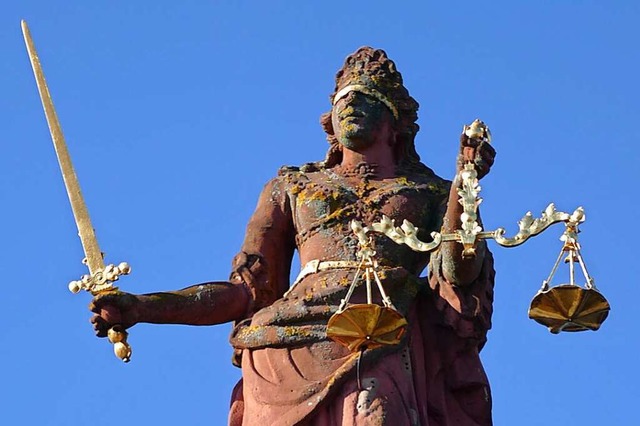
458	270
462	288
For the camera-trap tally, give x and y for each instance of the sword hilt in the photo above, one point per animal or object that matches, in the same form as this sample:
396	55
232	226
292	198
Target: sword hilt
101	281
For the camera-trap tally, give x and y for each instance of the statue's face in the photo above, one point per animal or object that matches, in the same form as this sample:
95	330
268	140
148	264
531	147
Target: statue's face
360	120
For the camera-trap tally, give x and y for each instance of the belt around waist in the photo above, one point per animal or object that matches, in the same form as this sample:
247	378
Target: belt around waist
316	265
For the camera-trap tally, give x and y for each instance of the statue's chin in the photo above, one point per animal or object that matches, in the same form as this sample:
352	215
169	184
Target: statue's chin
355	140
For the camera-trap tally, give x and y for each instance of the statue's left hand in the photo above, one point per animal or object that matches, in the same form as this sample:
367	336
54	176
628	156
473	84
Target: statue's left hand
478	151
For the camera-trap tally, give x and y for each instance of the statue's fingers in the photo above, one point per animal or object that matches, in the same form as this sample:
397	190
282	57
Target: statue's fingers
98	302
111	314
100	326
104	299
487	157
94	305
468	154
487	151
482	165
108	307
485	154
467	141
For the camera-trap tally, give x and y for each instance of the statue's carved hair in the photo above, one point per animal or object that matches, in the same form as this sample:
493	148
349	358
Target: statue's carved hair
374	69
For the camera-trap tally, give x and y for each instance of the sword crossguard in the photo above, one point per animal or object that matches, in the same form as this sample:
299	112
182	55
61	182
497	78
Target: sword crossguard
100	280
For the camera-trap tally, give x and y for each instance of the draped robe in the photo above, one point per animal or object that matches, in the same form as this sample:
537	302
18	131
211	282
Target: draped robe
293	374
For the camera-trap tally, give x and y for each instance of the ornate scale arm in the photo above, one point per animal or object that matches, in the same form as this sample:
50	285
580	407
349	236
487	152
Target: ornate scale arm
406	234
528	227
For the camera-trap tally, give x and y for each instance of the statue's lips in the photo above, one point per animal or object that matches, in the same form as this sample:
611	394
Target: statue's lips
352	116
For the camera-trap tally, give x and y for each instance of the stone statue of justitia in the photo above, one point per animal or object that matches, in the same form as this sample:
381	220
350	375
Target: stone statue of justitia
292	373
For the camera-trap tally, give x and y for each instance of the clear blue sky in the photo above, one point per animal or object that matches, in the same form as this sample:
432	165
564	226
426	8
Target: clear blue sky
176	114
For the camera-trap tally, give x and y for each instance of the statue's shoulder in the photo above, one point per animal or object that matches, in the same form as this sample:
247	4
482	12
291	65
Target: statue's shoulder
286	184
301	170
291	179
299	174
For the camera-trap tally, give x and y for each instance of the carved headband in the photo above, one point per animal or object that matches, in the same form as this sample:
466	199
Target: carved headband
367	91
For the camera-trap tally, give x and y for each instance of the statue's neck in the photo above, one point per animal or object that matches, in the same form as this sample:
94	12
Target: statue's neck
380	157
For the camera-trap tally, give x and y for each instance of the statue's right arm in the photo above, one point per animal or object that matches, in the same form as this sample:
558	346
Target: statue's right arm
204	304
260	276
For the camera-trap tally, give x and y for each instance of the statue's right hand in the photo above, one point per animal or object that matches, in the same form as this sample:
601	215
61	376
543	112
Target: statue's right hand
113	308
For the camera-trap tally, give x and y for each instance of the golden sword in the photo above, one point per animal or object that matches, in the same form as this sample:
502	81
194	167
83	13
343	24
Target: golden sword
101	277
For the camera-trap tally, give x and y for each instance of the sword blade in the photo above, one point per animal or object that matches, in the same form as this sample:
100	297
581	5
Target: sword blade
86	232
